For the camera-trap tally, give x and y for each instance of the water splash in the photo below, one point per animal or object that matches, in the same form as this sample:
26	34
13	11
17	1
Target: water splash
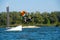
18	28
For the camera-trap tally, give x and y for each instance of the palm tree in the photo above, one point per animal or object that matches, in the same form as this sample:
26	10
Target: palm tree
54	17
46	16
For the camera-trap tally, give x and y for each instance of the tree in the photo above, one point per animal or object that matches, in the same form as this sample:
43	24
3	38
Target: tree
46	17
54	17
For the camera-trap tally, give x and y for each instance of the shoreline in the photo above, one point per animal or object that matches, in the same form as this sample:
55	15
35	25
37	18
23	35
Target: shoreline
30	26
25	26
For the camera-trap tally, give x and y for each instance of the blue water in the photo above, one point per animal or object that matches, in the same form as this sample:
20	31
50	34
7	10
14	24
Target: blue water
43	33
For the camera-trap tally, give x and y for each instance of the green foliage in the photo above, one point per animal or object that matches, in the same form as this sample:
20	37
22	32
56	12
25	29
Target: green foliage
37	18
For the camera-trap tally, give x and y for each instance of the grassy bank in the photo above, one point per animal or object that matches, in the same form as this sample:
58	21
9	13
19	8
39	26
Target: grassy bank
39	25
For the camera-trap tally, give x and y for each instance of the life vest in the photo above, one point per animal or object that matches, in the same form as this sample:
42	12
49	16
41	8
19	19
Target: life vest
23	13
